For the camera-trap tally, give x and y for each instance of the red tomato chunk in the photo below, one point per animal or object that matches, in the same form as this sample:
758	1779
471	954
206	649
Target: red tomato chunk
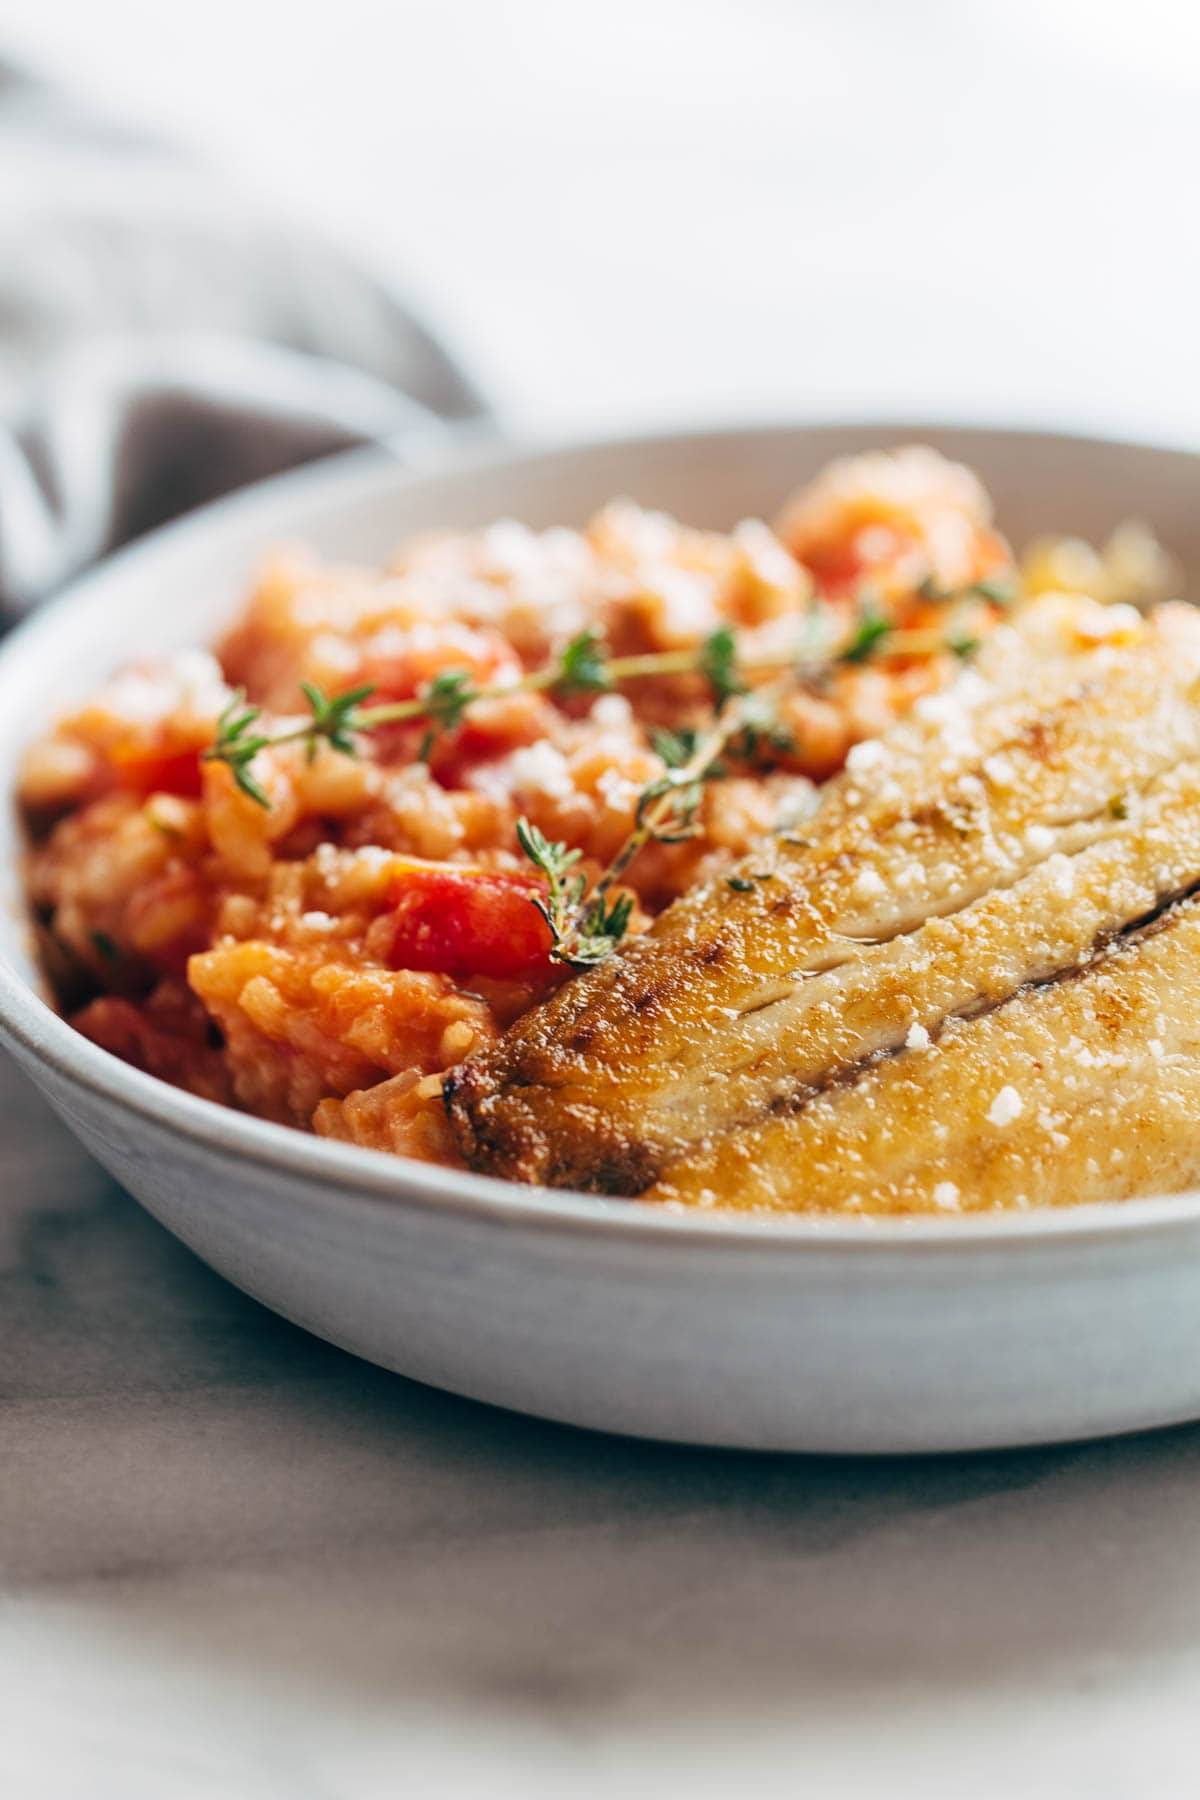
468	922
151	769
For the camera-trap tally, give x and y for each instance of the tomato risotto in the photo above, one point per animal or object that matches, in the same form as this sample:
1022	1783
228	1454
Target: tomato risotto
307	873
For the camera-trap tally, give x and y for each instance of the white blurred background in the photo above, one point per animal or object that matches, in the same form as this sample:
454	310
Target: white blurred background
666	209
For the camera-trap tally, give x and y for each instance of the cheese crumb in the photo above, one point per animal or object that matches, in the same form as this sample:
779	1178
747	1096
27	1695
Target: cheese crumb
540	769
945	1195
865	755
1007	1106
868	885
918	1037
612	711
1039	838
318	921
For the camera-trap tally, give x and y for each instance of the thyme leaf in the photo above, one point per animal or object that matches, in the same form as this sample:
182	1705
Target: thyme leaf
446	698
334	718
583	666
717	662
998	590
600	929
236	745
873	627
674	747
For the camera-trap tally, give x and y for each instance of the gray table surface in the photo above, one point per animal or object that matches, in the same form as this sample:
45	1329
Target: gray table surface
236	1562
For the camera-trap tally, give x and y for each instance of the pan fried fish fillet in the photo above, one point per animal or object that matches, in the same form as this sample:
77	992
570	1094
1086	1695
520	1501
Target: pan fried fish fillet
981	939
1085	1088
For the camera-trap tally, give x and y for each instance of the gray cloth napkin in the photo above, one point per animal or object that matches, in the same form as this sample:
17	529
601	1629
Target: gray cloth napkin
162	341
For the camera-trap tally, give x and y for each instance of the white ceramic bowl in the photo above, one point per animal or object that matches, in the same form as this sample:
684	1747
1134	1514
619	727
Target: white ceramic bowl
800	1335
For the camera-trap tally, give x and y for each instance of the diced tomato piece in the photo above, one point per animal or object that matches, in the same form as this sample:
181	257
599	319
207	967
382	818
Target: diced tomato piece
840	567
490	731
468	922
454	752
837	573
157	769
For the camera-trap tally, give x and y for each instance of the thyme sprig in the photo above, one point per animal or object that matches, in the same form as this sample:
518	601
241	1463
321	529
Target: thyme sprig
582	666
583	927
587	924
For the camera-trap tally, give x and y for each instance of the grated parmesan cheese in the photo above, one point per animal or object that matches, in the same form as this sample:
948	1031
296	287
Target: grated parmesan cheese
1007	1106
866	755
540	769
868	885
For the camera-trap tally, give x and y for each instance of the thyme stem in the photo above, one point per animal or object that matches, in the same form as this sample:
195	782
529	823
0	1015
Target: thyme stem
655	816
344	715
584	925
898	646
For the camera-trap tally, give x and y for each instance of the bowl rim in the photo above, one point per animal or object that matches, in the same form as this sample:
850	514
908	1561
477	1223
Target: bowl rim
338	1169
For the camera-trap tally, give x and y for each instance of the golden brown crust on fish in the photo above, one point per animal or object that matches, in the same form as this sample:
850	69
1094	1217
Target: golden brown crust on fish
1083	1088
1001	838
